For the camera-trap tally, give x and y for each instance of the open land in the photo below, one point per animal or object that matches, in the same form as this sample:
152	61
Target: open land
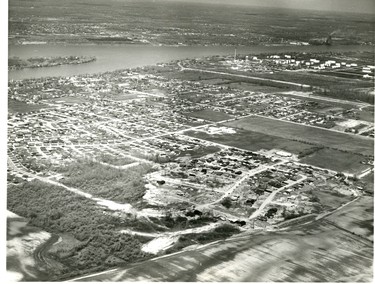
313	135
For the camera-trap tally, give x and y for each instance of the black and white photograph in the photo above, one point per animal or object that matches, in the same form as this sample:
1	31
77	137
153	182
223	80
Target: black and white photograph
188	140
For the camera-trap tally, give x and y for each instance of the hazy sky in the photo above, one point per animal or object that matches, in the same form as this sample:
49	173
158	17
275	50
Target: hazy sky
358	6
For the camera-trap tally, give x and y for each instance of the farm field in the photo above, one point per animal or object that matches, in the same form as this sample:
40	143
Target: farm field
253	141
335	140
293	255
338	161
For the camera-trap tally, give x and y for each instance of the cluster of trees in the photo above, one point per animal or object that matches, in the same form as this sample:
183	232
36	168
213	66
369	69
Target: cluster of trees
59	211
120	185
115	160
182	222
309	151
227	202
345	93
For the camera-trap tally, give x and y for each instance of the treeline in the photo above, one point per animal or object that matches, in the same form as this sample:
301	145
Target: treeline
57	210
120	185
115	160
219	233
309	151
346	94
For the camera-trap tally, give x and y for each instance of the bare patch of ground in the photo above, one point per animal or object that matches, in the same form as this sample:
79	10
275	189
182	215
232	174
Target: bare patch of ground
22	242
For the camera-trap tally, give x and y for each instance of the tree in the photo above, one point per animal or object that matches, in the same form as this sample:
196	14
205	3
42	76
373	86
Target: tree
227	202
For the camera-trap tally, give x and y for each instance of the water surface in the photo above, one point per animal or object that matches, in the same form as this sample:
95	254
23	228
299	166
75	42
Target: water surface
113	57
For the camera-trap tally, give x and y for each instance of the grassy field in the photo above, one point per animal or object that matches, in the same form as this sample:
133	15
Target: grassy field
21	107
318	252
209	115
253	141
335	140
337	161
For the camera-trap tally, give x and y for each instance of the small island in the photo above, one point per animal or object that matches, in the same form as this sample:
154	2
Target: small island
16	63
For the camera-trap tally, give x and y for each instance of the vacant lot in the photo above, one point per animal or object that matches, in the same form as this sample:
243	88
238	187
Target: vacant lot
210	115
253	141
21	107
316	136
338	161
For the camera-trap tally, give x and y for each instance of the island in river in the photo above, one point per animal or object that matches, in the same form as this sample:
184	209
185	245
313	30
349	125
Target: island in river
16	63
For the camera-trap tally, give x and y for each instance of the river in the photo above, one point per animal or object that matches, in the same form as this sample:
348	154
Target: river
113	57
